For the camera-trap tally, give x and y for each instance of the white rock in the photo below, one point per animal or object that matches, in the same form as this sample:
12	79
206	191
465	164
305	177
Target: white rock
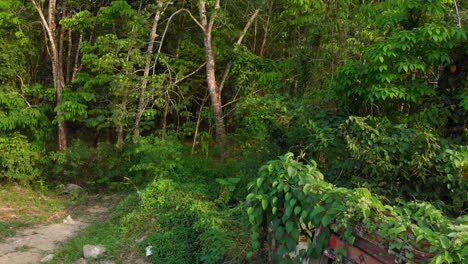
72	187
93	251
69	220
47	258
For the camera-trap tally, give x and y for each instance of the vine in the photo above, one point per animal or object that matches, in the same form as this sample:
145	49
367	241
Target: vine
295	201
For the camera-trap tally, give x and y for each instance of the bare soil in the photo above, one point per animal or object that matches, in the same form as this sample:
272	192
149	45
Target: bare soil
31	245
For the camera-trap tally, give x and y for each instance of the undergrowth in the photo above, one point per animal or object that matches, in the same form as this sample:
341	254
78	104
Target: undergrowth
185	212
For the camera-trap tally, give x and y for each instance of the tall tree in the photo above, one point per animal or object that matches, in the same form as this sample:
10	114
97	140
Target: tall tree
143	101
215	89
207	24
50	27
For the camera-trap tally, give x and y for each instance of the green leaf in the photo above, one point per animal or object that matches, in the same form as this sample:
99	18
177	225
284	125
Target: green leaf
288	210
250	211
297	210
292	202
279	233
255	244
275	183
291	243
275	200
316	211
255	235
291	171
250	197
409	255
445	242
398	230
289	226
326	220
259	182
264	204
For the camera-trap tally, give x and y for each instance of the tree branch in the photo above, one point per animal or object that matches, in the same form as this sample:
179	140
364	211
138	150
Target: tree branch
190	74
213	17
238	42
167	27
458	13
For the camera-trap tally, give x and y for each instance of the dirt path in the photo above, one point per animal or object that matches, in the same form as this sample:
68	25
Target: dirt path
32	244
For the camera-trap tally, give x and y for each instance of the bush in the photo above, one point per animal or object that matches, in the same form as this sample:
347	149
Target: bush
19	159
187	227
398	160
153	157
85	165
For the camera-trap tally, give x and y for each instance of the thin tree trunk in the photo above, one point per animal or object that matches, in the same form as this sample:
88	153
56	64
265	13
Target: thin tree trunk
197	126
76	67
457	13
266	28
255	37
215	93
162	5
62	37
50	26
165	113
214	90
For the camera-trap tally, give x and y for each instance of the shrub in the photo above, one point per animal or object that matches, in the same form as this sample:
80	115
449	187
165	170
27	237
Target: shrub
85	165
187	227
398	160
153	157
19	159
75	164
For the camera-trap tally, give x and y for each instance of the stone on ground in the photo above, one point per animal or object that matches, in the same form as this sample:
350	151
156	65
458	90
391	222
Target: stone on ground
47	258
93	251
72	188
69	220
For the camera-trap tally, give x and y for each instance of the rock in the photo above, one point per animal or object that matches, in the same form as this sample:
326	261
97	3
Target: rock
71	188
74	191
80	261
93	251
47	258
69	220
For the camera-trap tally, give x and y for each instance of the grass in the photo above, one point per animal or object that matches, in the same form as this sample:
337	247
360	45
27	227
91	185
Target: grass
21	207
98	233
107	232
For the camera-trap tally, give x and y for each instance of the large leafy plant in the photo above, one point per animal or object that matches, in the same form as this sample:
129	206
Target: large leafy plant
292	200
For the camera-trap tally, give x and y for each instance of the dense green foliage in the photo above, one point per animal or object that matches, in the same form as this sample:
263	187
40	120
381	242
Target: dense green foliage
295	199
374	91
183	212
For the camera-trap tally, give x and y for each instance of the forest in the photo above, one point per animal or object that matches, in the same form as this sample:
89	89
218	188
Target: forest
235	130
